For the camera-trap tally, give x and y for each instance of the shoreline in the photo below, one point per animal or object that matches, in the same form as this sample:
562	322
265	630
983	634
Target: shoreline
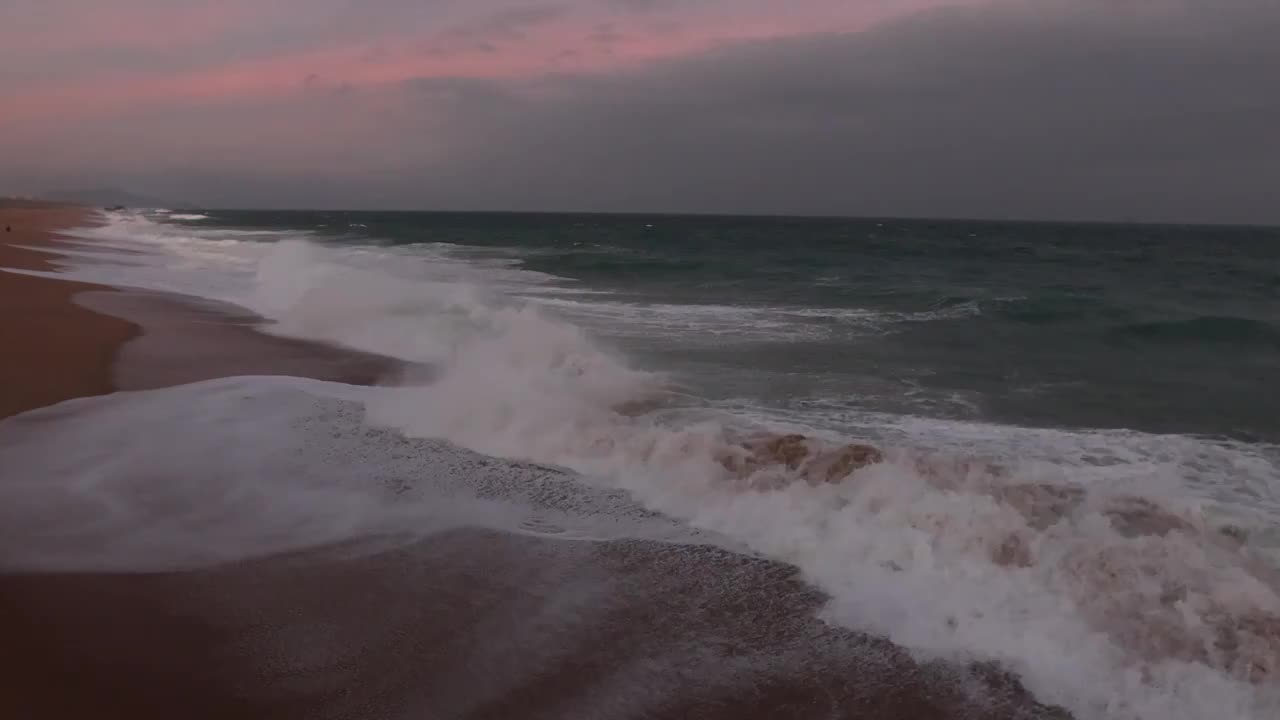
55	350
470	623
67	339
185	340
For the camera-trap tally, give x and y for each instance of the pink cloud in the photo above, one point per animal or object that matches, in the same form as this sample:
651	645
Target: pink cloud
569	42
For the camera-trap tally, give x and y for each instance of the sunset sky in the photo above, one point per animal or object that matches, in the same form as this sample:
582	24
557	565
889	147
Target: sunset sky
1101	109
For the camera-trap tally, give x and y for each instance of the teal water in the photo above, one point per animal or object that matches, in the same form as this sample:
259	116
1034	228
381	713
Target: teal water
1154	328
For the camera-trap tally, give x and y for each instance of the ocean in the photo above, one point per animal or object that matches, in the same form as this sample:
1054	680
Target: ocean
1079	424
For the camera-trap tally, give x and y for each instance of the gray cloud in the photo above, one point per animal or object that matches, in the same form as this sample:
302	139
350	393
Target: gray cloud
508	22
488	32
605	34
650	5
1149	109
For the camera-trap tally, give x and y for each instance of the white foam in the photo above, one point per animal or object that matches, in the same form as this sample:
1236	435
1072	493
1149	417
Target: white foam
711	323
188	216
708	323
242	467
1242	476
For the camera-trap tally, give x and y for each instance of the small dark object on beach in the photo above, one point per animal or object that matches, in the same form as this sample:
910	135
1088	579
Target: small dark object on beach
8	229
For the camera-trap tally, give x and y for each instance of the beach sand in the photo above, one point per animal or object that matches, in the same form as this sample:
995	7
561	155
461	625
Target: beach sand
53	350
468	624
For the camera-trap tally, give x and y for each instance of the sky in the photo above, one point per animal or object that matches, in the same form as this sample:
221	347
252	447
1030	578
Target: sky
1160	110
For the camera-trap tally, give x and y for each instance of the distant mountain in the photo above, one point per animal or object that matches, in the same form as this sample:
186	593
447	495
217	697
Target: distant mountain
109	197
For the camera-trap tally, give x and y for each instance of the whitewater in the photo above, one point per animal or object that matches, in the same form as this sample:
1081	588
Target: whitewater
1118	573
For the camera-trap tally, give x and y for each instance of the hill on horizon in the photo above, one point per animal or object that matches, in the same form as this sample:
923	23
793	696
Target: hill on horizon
113	196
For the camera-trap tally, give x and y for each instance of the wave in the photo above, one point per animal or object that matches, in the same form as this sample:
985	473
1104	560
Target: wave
188	216
1103	602
243	266
941	553
712	323
1097	573
1201	330
306	472
1205	330
1051	310
1108	603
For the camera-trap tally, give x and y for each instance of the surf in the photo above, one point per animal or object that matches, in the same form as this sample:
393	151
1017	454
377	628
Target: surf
1097	565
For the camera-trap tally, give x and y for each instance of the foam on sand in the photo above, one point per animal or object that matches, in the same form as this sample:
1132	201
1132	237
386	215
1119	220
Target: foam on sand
230	469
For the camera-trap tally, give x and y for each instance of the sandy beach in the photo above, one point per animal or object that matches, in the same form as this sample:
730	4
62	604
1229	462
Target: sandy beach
119	655
639	360
53	348
465	624
56	350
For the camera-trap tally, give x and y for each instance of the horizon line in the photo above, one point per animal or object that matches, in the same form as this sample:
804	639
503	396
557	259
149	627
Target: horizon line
687	214
755	215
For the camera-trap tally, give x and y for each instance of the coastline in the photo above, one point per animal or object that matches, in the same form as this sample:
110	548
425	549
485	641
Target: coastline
66	339
128	652
55	350
467	624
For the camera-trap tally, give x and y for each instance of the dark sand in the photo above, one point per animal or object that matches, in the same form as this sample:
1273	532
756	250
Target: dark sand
470	624
50	349
188	340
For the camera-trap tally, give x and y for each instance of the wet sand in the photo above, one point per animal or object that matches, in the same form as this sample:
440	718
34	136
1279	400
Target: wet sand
52	349
187	340
472	625
466	624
